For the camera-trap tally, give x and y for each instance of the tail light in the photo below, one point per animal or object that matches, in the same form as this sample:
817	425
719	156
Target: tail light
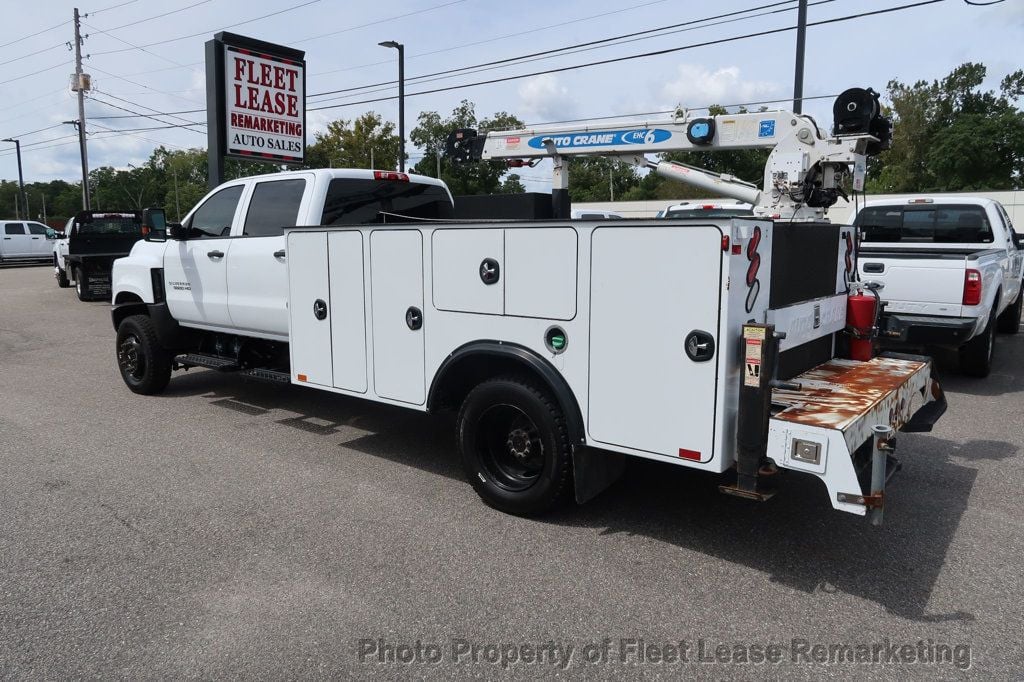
390	175
972	287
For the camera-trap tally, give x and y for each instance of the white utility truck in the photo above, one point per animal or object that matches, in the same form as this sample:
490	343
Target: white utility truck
952	270
565	345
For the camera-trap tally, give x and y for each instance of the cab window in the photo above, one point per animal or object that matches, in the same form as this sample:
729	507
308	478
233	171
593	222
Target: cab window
274	206
36	228
213	218
14	228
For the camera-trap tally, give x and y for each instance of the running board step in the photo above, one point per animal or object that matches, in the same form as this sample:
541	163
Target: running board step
208	361
267	375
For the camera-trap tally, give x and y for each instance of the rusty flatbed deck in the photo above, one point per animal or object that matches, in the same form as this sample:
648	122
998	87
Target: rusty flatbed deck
841	393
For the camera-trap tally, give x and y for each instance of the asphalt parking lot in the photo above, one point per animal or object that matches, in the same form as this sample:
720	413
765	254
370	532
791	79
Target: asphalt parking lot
233	528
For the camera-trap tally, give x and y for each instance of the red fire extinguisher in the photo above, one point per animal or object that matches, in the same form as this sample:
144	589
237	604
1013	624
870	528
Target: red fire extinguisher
861	318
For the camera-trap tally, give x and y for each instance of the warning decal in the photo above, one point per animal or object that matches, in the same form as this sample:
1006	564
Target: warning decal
752	376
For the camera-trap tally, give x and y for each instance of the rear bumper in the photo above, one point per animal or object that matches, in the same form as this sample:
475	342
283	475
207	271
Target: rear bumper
920	330
829	426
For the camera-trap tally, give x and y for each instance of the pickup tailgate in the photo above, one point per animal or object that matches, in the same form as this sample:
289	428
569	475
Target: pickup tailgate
917	283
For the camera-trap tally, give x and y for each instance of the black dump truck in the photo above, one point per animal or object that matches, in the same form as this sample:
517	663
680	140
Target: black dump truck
91	244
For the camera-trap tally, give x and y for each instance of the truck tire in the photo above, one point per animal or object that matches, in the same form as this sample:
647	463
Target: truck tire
1009	321
81	285
976	354
514	445
144	364
62	277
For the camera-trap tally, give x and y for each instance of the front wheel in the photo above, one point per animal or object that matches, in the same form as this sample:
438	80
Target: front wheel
514	445
1009	321
976	354
144	364
62	278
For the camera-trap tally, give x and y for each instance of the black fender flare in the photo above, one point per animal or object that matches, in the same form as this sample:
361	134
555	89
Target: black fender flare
527	359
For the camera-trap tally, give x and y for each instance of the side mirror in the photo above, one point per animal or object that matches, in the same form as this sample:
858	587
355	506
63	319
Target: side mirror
1018	239
177	231
154	224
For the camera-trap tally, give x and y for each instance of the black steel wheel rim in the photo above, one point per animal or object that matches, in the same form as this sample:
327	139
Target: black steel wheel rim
509	447
130	357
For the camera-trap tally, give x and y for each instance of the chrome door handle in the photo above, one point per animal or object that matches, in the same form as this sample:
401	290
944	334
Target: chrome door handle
215	254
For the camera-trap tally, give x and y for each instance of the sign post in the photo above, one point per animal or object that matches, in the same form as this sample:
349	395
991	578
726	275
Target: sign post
255	102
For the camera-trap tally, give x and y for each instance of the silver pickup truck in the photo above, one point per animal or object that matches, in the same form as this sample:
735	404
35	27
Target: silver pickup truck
952	273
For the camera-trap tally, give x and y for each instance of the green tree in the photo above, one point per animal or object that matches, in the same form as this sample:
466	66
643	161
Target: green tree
592	178
352	144
482	177
951	135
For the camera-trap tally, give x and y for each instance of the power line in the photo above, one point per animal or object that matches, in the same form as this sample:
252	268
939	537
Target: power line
561	49
35	73
121	4
32	54
380	21
155	111
156	16
187	126
634	56
142	85
532	31
33	132
33	35
573	50
208	31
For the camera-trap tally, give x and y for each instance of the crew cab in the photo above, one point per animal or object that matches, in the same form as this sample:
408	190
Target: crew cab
25	240
950	270
565	345
92	241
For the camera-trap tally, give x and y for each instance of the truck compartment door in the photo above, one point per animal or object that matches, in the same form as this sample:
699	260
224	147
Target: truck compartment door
348	312
396	293
651	288
309	310
468	270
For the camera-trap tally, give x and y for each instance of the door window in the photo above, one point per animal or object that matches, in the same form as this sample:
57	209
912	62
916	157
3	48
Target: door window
14	228
36	228
213	218
274	206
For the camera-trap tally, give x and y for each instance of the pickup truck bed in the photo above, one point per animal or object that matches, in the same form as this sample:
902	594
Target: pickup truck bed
951	273
95	240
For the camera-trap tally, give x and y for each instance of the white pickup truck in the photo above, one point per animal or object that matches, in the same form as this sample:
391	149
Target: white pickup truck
565	345
952	273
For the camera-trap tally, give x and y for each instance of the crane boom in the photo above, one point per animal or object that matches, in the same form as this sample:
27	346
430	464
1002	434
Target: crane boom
802	178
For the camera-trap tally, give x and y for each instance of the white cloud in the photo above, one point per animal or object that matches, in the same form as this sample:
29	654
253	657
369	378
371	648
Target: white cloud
696	86
544	98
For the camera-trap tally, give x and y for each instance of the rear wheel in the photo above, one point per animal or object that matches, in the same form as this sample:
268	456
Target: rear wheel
976	354
144	364
1009	321
514	445
81	285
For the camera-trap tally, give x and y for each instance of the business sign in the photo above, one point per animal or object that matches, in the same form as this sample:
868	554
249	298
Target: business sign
266	105
256	102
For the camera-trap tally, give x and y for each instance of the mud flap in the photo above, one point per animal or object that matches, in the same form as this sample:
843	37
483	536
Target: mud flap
594	470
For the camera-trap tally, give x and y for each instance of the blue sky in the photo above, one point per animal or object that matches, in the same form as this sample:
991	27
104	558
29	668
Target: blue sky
130	69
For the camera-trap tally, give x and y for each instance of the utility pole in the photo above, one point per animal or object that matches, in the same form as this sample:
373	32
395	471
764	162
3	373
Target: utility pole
21	181
44	209
611	187
801	38
439	165
81	84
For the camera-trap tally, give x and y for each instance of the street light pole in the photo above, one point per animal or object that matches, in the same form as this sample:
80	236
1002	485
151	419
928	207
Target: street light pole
21	181
401	100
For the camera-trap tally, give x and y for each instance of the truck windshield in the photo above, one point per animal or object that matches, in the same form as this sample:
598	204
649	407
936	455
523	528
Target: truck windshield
353	201
111	224
710	213
947	223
